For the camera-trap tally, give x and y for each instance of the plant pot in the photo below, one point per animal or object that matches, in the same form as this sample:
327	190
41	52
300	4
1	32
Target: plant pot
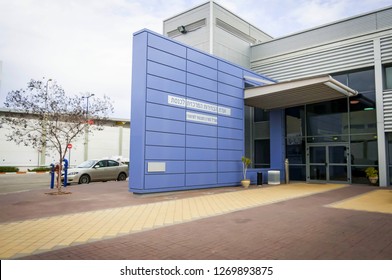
245	183
373	180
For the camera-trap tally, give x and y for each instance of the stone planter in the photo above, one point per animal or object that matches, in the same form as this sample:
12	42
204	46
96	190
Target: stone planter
373	180
245	183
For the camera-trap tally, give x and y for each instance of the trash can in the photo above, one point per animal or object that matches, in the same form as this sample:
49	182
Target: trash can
273	177
259	178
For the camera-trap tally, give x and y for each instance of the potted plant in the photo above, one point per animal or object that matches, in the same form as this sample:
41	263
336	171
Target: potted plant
372	174
245	164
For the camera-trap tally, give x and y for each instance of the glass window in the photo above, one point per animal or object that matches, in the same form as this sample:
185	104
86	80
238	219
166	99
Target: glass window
343	78
297	173
327	118
362	81
358	175
295	151
364	150
262	153
260	115
113	163
102	163
361	120
295	122
389	135
330	138
388	77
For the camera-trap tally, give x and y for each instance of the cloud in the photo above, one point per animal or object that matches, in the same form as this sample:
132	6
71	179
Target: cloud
84	45
87	45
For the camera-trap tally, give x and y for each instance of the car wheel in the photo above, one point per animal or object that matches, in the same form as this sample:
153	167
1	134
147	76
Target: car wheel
122	177
84	179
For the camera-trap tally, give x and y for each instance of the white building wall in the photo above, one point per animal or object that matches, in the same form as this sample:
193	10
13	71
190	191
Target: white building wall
105	143
1	65
76	153
196	22
231	35
126	144
16	155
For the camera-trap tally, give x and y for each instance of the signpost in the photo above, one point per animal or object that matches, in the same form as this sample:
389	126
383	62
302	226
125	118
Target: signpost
69	146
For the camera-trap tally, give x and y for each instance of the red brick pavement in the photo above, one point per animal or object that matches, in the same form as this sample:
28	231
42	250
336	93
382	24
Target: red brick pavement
295	229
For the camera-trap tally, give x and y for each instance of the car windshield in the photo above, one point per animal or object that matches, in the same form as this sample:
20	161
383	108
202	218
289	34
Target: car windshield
87	164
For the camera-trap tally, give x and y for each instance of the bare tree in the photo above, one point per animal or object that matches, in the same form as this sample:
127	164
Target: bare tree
56	118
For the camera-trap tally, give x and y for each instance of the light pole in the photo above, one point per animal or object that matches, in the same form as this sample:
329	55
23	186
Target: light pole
87	125
46	95
45	124
87	98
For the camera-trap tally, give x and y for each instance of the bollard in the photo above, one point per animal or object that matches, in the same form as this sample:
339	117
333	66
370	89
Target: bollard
259	178
286	169
65	172
51	175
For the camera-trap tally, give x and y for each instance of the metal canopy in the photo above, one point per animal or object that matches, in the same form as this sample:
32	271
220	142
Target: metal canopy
297	92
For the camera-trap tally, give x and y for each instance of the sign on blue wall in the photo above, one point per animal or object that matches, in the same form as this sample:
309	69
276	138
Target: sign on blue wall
187	117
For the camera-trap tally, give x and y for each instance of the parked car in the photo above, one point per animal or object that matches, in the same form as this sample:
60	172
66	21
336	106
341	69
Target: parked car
97	170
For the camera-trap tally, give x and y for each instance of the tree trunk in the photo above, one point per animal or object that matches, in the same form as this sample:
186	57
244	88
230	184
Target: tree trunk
58	183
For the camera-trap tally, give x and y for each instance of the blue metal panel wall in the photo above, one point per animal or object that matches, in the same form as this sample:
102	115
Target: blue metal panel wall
138	128
187	121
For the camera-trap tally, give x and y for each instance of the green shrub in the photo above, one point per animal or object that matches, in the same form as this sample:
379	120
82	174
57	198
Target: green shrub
40	169
8	169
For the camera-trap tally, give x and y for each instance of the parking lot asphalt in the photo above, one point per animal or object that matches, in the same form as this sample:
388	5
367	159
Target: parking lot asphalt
105	221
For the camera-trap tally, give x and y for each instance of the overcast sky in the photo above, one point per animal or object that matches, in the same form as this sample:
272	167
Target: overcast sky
86	45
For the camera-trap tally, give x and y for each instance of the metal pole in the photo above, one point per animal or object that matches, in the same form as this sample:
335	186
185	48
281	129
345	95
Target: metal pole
86	129
44	124
87	98
286	169
46	95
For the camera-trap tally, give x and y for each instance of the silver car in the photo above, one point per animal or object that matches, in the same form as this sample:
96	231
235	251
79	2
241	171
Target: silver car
97	170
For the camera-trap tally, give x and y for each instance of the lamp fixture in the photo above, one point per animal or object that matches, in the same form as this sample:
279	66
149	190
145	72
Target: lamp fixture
354	101
182	29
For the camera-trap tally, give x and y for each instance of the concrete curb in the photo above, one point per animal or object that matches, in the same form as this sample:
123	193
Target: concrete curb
23	173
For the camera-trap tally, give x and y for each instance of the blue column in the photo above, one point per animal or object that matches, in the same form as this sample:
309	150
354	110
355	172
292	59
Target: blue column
277	140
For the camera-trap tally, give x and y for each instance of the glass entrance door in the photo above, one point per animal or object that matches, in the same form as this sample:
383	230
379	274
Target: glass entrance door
328	163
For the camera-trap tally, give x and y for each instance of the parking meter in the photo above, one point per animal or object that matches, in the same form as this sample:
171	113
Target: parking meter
51	175
65	172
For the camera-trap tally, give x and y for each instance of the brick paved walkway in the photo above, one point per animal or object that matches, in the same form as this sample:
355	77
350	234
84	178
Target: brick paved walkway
298	227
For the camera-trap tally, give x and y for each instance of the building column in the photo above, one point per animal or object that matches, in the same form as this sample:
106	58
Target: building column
120	140
211	19
381	139
277	140
86	143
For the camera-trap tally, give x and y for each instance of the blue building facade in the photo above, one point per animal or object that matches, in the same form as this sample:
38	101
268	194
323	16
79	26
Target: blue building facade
187	118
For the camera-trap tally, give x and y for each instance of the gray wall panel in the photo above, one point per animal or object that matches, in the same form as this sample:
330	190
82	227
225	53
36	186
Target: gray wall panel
351	27
328	61
387	98
386	49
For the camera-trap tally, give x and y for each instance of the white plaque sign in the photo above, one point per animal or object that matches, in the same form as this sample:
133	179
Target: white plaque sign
197	105
156	167
195	117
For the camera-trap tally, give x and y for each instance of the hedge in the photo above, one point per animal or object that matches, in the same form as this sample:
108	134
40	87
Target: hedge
40	169
8	169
